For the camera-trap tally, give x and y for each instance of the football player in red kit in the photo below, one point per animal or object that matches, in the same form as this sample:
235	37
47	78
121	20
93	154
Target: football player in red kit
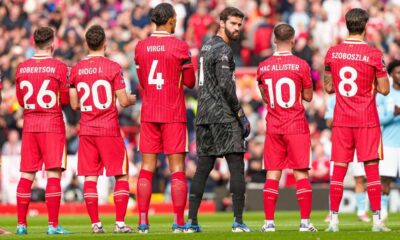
164	66
41	86
356	71
94	82
284	82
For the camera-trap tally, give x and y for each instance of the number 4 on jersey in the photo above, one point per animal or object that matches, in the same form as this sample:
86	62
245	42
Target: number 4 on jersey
158	81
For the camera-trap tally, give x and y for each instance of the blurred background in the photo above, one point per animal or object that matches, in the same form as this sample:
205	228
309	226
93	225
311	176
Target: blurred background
319	24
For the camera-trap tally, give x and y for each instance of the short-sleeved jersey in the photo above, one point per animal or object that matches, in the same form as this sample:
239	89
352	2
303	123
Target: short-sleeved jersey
217	101
160	60
283	77
354	66
41	82
96	78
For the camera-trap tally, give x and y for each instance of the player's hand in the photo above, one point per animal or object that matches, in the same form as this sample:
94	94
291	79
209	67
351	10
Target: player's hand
245	123
396	110
131	99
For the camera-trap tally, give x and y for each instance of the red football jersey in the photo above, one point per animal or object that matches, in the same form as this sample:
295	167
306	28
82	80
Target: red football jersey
160	60
283	77
354	66
41	88
96	78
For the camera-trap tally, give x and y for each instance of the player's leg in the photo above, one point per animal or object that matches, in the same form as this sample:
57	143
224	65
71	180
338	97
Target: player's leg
299	159
90	166
342	153
369	151
388	170
386	182
179	189
237	184
115	161
150	145
271	187
175	141
53	149
275	161
31	162
361	198
205	149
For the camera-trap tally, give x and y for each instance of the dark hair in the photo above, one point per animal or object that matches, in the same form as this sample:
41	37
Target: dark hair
230	12
43	37
283	32
393	65
356	19
162	13
95	37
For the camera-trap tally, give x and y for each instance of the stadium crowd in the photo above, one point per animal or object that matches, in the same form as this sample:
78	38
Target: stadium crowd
318	24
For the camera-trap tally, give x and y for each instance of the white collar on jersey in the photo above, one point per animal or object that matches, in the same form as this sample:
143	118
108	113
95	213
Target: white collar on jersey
91	56
42	56
282	53
354	41
160	34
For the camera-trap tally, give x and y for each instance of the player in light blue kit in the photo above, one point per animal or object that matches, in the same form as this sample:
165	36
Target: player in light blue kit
356	169
389	117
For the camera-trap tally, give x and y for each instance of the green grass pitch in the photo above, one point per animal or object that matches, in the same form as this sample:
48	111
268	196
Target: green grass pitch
216	226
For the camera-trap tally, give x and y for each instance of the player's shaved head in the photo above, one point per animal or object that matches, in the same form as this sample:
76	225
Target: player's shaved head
95	37
356	19
162	13
43	37
283	32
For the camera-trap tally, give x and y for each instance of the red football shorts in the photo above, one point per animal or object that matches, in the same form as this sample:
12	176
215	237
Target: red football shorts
168	138
38	148
287	151
367	141
98	152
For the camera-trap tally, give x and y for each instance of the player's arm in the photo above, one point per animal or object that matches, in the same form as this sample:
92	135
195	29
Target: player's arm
330	105
307	94
18	91
386	109
225	80
383	85
74	99
262	91
381	76
328	84
188	76
125	100
64	89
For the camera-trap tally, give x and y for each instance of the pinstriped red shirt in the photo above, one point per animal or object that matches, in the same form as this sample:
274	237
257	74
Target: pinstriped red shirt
160	60
40	81
96	78
283	77
354	66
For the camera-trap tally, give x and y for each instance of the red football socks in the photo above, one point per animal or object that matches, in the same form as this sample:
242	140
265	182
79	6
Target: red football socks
121	197
53	199
91	200
374	186
270	198
144	190
336	187
179	192
23	199
304	197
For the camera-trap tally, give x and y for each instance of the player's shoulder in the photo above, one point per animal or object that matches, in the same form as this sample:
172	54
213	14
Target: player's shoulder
300	61
58	63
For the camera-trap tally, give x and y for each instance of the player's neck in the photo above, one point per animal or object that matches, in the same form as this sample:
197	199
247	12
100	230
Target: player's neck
96	53
222	35
356	37
163	29
43	53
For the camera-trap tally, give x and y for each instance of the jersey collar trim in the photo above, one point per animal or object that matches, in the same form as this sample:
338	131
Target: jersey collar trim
160	34
41	56
283	53
354	41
